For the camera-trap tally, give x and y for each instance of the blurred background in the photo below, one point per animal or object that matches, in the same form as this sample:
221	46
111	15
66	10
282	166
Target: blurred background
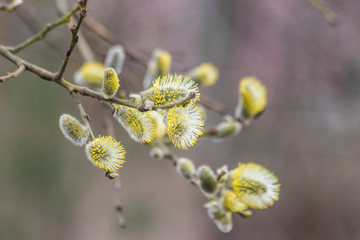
309	136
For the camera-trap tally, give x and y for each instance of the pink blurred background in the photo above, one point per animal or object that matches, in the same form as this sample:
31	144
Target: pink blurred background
309	136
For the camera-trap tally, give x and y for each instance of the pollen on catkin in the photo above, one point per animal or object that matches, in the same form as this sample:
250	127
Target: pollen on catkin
170	89
73	130
205	74
106	153
110	84
158	123
253	94
90	73
184	125
232	203
138	124
255	186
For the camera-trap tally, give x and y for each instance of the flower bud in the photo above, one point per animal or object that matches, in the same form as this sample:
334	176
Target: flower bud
111	175
138	124
136	98
229	127
90	73
231	202
222	219
252	98
163	61
185	168
205	74
111	83
207	178
159	65
115	58
246	213
158	122
73	130
156	153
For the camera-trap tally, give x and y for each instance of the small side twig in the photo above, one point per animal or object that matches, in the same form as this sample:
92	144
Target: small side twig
84	116
40	35
117	181
74	31
14	74
85	50
212	105
10	7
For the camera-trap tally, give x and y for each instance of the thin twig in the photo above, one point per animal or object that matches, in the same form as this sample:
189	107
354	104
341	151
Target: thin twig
74	31
84	47
84	116
10	7
14	74
212	105
117	181
40	35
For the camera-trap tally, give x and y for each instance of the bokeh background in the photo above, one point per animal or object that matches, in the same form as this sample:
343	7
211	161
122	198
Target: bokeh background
309	136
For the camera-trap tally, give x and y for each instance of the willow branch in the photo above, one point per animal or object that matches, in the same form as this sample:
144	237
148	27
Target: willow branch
40	35
74	39
10	7
14	74
53	77
84	47
212	105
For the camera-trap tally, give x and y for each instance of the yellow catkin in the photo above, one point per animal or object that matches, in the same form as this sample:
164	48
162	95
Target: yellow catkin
170	89
138	124
254	96
92	73
255	186
205	74
184	125
232	203
106	153
111	82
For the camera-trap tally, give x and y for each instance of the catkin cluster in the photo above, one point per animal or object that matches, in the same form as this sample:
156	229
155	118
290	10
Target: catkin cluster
168	111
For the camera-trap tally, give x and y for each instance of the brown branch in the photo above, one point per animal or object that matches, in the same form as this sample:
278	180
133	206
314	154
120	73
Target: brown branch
212	105
84	48
10	7
74	39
